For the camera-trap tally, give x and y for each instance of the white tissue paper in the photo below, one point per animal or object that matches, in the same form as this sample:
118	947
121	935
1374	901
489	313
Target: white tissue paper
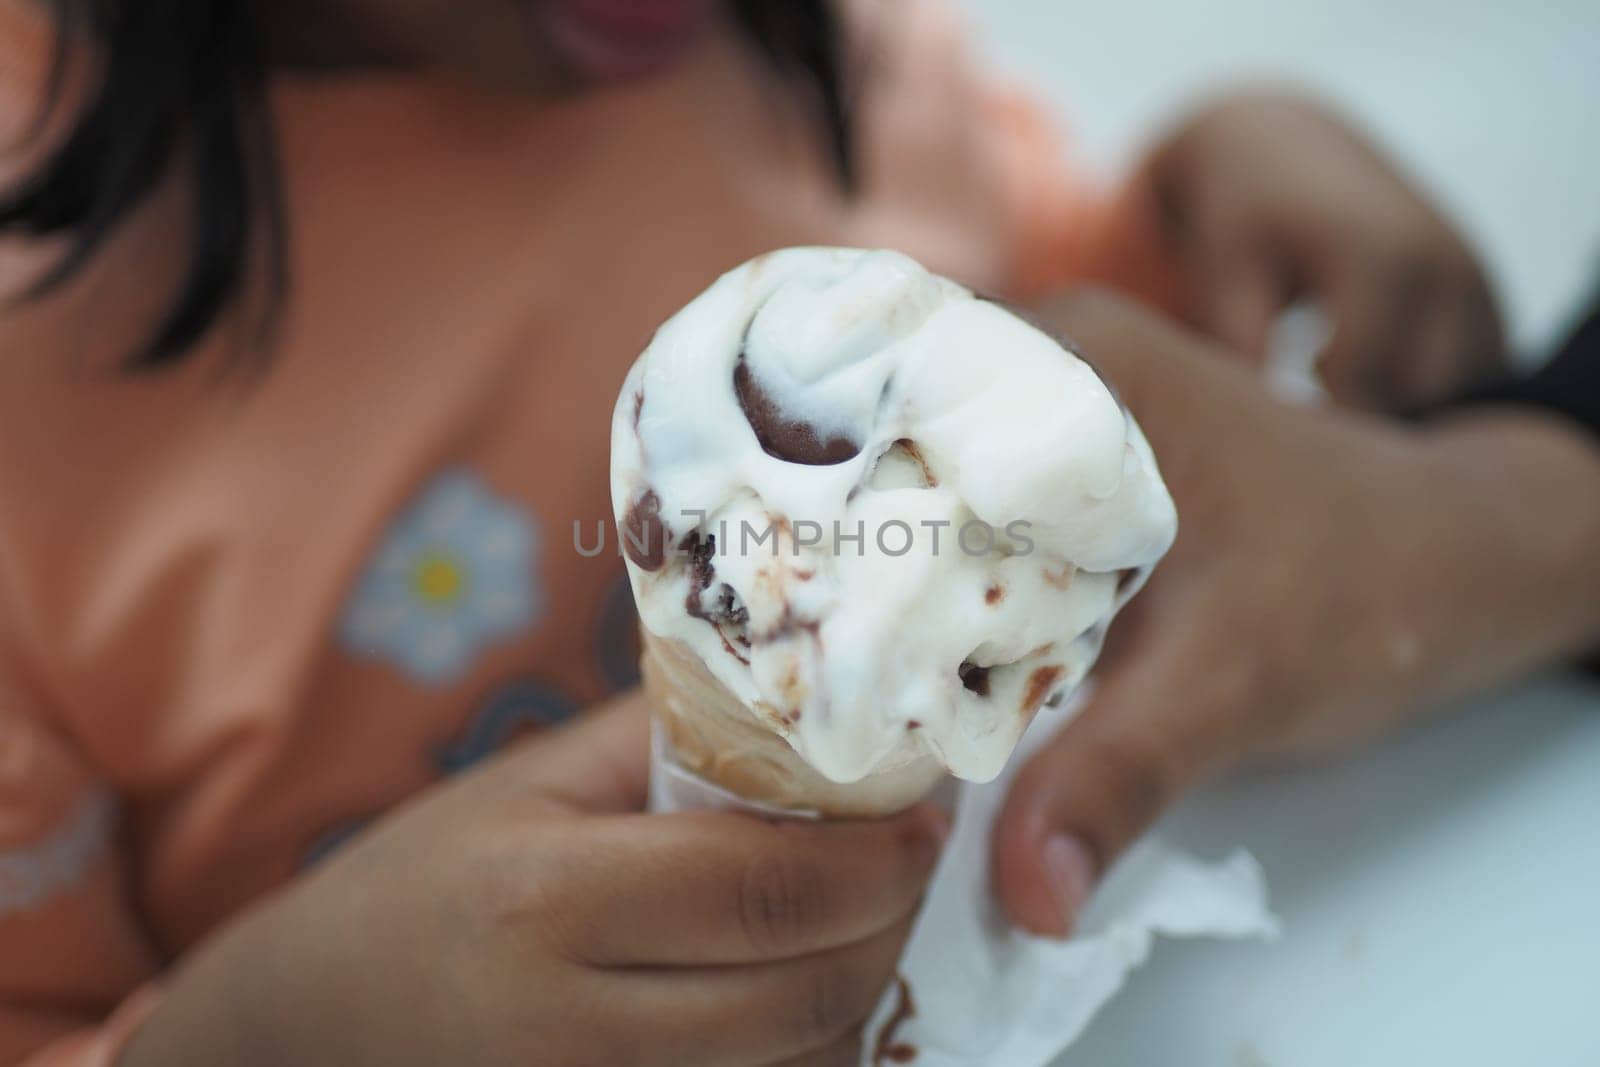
975	992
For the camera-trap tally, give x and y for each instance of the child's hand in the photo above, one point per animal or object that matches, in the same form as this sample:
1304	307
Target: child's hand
1269	199
1333	575
526	914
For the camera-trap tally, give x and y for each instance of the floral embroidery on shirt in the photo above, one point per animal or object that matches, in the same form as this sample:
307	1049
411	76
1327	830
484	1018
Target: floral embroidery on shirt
453	575
32	874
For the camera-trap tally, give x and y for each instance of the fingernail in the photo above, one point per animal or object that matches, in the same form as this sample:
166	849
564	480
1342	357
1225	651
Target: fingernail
1069	866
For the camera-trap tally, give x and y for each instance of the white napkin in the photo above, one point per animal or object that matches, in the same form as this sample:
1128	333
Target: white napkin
983	994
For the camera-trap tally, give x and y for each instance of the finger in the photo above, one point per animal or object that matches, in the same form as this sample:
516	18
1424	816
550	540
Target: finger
724	888
1091	791
1374	318
1459	343
600	762
1439	347
1237	279
772	1012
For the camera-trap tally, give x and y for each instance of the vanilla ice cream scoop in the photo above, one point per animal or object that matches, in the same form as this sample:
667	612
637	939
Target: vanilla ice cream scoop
893	518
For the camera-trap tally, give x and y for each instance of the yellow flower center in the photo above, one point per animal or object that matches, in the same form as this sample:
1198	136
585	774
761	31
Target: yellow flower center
438	579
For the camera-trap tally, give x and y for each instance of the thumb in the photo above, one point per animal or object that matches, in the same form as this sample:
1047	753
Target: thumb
599	763
1081	800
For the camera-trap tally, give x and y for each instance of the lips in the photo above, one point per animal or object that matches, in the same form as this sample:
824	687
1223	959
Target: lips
623	38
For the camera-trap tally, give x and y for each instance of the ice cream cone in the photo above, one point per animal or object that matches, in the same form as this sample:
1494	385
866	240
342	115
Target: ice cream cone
717	737
817	390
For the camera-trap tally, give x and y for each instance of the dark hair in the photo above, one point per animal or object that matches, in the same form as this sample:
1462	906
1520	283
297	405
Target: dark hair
193	70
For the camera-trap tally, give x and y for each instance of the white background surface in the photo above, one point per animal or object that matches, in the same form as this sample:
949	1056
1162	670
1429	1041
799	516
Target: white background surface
1441	895
1438	898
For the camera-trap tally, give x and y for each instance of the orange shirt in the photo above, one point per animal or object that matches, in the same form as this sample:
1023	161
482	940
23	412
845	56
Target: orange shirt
238	618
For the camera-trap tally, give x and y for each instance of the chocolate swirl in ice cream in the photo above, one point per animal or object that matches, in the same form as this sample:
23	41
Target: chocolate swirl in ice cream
644	535
789	439
824	428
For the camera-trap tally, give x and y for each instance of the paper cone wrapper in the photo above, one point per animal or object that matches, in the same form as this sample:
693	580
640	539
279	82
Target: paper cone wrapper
710	749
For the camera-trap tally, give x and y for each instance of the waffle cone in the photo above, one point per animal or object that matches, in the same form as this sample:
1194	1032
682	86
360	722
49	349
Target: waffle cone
718	738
